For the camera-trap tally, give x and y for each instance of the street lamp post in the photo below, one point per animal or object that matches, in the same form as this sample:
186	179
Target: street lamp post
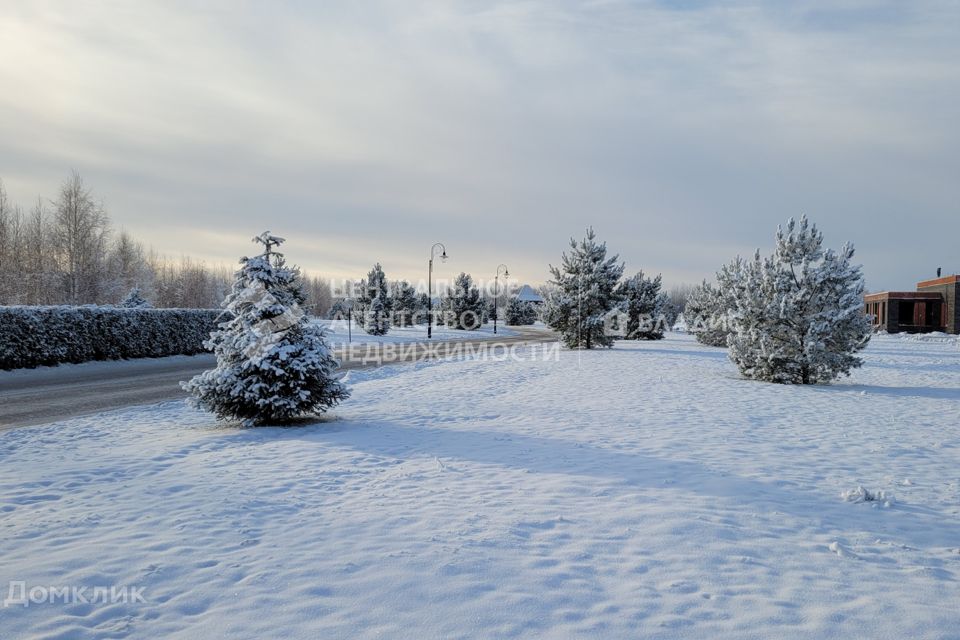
349	321
496	294
433	253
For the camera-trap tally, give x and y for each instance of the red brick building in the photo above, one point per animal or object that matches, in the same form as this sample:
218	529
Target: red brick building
932	307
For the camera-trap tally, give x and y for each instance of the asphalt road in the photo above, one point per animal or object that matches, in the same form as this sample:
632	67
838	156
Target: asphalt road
40	396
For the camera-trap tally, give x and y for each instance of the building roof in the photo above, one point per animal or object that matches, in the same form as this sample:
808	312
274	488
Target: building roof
902	295
939	281
527	294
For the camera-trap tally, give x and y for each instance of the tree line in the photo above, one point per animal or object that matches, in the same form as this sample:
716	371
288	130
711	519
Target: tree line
794	317
65	250
376	305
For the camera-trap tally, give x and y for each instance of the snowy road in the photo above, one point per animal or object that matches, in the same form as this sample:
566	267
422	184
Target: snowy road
48	394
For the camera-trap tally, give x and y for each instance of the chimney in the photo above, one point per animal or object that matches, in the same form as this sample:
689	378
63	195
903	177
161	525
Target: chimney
938	272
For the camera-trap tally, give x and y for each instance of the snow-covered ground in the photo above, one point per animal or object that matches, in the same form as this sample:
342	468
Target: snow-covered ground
338	334
645	492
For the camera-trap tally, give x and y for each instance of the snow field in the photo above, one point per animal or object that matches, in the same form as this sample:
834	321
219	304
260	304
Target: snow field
646	491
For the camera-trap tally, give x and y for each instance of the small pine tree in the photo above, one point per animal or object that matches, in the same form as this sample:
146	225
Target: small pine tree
519	313
374	286
644	304
404	303
421	315
671	313
340	309
798	315
377	321
135	300
705	317
709	308
464	307
273	365
586	292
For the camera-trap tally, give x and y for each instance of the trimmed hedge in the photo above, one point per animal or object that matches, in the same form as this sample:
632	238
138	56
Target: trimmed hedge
38	336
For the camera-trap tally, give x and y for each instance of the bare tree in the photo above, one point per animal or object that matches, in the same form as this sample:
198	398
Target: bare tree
5	246
39	266
62	253
127	267
679	294
80	232
319	295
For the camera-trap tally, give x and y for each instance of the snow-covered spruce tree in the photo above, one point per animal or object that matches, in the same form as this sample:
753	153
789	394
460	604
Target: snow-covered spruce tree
644	303
798	316
463	307
585	292
135	300
520	313
273	365
404	303
374	286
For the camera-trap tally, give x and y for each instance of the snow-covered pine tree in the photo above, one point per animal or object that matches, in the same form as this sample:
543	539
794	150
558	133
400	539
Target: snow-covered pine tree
513	313
374	286
463	307
519	312
135	300
360	307
340	310
680	323
586	291
273	365
422	313
377	322
708	309
377	284
798	315
671	313
359	303
644	303
404	303
704	316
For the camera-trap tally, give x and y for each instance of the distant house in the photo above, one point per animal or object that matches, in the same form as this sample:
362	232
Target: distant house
932	307
527	294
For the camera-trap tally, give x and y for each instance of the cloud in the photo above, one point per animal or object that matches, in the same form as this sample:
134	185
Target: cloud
683	132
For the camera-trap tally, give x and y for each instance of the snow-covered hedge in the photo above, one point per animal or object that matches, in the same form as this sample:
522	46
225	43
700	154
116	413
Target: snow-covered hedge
38	336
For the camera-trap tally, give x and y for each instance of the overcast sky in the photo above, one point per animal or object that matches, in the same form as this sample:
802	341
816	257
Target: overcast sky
683	132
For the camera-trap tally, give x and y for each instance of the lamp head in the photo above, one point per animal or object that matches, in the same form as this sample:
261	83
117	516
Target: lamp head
443	257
